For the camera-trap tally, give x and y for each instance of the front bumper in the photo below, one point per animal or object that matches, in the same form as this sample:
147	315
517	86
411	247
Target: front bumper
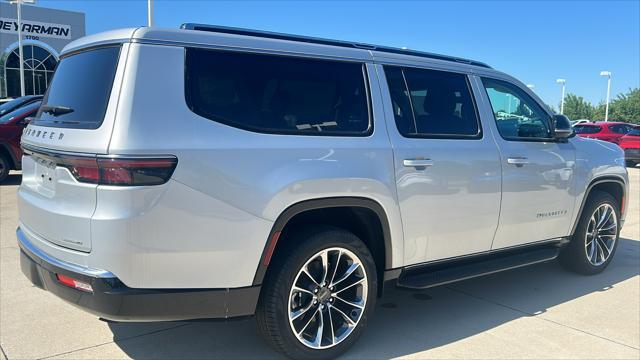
632	154
113	300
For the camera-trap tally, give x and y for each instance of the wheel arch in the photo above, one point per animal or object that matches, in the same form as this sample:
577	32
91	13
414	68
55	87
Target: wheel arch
5	149
611	184
317	206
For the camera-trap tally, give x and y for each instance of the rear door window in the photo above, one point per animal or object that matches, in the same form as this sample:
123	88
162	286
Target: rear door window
620	129
278	94
430	103
587	129
80	89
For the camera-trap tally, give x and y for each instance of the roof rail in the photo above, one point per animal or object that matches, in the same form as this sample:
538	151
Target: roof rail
315	40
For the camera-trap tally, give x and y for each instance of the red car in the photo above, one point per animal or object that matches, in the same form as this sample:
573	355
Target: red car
610	131
11	126
630	143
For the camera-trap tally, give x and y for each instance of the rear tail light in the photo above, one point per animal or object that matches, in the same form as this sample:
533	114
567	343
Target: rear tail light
120	171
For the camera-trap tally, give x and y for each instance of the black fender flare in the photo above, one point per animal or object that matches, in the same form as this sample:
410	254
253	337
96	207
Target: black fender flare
321	203
599	180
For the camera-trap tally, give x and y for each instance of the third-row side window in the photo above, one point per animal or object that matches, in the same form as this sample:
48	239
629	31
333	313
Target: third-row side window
431	103
278	94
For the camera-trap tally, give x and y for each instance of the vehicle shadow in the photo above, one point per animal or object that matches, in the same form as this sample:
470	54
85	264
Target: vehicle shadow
405	322
14	179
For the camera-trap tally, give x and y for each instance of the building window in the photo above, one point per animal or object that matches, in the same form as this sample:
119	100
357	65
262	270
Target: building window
39	65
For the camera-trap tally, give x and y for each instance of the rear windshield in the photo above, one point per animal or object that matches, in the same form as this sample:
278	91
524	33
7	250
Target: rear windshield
586	129
634	132
80	89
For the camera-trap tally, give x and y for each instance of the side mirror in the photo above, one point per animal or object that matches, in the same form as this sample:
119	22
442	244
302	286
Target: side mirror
562	128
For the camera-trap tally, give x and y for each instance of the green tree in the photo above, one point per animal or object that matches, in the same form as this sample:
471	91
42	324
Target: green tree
576	107
626	107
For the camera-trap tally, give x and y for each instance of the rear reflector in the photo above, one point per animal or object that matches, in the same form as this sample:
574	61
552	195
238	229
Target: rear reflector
119	171
73	283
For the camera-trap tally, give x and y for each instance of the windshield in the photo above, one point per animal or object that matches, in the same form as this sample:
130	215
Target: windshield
586	129
80	89
13	104
23	111
634	132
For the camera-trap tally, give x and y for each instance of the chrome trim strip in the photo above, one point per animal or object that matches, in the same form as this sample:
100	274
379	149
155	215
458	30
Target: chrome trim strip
28	148
26	245
32	149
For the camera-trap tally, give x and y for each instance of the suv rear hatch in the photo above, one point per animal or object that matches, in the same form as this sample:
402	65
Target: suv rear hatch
72	127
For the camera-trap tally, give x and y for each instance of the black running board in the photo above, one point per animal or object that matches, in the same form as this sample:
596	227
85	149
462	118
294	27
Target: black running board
426	276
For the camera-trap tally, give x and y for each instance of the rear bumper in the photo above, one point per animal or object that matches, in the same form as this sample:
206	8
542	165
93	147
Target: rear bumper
113	300
632	154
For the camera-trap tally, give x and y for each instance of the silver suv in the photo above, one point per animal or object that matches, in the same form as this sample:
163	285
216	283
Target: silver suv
212	172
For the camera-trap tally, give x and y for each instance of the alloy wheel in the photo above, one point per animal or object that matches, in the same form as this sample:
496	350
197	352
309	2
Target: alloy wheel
328	298
601	235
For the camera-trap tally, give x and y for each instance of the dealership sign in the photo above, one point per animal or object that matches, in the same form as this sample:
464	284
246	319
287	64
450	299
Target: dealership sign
35	29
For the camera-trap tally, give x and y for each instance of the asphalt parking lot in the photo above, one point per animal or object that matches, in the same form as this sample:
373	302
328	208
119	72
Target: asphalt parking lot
535	312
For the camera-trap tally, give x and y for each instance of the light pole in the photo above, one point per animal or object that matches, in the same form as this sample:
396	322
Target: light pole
18	4
606	108
563	82
150	13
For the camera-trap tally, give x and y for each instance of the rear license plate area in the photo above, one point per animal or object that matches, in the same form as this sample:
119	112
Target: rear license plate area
45	173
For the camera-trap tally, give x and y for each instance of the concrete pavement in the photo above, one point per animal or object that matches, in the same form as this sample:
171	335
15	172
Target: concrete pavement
535	312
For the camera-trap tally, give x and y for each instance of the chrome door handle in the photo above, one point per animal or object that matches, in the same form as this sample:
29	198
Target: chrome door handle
417	163
518	161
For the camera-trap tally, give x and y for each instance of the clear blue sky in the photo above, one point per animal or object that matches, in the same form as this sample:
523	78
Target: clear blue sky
536	41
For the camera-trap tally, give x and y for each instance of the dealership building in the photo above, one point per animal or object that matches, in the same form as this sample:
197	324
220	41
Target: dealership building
44	33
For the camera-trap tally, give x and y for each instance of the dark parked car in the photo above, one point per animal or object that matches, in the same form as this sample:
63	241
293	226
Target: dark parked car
17	103
11	126
603	130
630	143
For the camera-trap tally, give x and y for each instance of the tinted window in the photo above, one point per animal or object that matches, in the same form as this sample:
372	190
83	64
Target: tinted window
276	94
81	83
634	131
517	115
429	103
620	129
23	111
16	103
587	129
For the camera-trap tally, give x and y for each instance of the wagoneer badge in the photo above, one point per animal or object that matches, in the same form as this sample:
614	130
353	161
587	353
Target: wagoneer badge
43	134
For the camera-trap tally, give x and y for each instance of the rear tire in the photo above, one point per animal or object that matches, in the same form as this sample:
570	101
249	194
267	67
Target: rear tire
631	163
5	167
596	237
301	312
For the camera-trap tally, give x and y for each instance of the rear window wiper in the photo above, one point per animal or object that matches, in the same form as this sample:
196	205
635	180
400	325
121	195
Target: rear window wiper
56	110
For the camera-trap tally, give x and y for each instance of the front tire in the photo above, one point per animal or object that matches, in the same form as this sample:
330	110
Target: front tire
596	237
317	298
